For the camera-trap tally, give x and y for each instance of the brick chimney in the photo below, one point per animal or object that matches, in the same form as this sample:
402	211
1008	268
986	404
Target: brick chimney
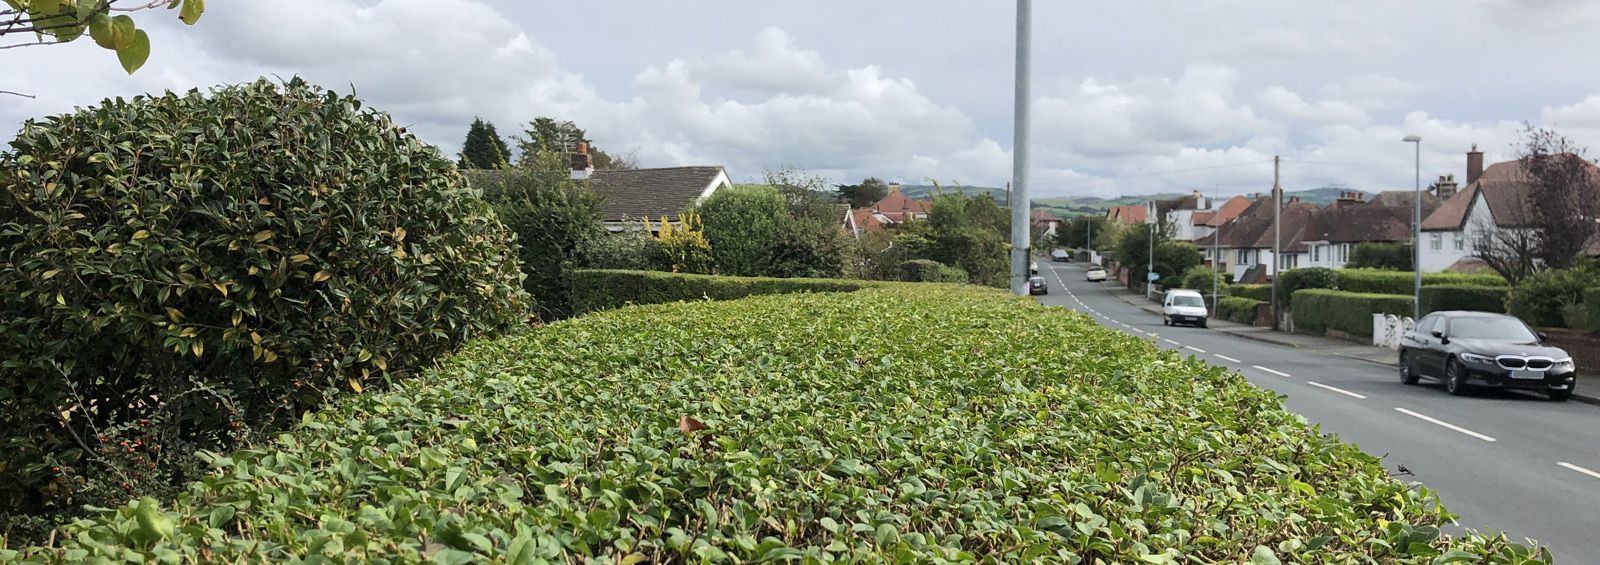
1349	198
582	163
1447	185
894	187
1474	164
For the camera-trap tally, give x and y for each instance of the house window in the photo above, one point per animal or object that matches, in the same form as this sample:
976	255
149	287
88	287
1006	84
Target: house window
1316	253
1437	242
1461	242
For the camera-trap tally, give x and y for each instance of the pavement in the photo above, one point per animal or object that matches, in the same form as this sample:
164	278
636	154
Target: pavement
1503	461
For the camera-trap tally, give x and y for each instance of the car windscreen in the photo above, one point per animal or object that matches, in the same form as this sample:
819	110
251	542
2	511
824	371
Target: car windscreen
1502	329
1188	301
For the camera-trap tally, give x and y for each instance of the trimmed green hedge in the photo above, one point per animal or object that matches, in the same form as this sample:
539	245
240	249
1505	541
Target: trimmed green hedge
1591	303
1404	282
1239	309
594	290
1319	310
928	270
1295	280
1262	292
1458	297
903	424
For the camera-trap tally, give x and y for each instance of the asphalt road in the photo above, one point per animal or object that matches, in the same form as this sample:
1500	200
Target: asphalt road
1503	461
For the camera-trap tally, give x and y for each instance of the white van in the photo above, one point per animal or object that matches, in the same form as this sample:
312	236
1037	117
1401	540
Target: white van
1183	307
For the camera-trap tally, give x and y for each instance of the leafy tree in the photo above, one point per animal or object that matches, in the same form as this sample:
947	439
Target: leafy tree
1075	231
560	137
1389	256
869	192
1171	258
62	21
971	232
483	148
554	219
786	228
1565	200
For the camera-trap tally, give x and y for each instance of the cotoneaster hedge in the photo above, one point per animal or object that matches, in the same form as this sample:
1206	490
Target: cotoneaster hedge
1238	309
1262	292
1319	310
1404	282
1457	297
906	424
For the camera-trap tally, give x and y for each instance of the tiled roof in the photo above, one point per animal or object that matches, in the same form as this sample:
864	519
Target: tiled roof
897	204
1405	199
1041	216
1129	214
1362	222
1252	229
636	193
1505	187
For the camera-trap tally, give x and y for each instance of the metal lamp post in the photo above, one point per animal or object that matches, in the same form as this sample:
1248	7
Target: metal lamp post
1416	234
1020	203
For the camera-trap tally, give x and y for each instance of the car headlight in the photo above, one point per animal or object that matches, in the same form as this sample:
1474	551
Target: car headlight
1477	359
1564	366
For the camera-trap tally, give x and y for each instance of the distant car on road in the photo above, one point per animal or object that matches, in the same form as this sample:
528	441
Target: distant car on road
1094	274
1060	256
1033	268
1036	286
1183	307
1468	349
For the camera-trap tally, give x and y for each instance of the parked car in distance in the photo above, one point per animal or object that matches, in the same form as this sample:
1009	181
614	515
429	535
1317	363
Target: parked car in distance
1036	286
1060	256
1033	268
1094	274
1472	349
1183	307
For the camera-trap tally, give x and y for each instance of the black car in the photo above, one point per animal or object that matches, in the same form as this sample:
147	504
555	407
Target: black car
1467	349
1036	286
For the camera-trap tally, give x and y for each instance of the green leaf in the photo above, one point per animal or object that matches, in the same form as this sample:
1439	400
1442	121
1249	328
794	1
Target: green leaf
1263	555
120	33
191	11
135	54
103	30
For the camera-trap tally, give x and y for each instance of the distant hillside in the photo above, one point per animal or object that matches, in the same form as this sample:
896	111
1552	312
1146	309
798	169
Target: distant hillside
923	191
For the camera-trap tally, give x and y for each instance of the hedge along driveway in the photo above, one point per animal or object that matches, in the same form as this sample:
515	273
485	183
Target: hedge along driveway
884	425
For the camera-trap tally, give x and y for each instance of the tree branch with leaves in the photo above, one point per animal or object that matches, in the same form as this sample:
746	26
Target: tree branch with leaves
52	22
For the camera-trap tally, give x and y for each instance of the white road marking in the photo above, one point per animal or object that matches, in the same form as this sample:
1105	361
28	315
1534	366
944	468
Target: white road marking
1171	342
1336	389
1194	349
1227	358
1124	324
1578	469
1140	331
1444	424
1273	371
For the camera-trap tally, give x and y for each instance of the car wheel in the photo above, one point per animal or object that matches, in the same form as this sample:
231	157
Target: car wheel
1408	376
1561	395
1455	381
1202	324
1165	321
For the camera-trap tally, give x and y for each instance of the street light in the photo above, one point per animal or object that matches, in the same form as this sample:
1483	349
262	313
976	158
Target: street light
1416	235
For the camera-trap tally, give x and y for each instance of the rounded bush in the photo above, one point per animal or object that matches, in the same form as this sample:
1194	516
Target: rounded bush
181	270
928	270
1294	280
1540	299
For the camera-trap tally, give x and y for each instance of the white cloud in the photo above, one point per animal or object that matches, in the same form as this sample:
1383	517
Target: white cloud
1290	106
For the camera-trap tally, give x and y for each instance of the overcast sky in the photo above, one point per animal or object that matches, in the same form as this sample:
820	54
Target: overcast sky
1131	97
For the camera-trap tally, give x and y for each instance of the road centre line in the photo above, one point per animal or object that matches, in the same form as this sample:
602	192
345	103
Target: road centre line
1444	424
1227	358
1171	342
1336	389
1578	469
1194	349
1273	371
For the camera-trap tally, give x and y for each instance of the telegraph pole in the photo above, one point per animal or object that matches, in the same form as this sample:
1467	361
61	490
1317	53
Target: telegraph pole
1019	153
1277	240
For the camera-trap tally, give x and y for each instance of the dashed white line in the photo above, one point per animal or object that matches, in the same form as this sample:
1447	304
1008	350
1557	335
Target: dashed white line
1273	371
1443	424
1336	389
1227	358
1140	331
1194	349
1171	342
1578	469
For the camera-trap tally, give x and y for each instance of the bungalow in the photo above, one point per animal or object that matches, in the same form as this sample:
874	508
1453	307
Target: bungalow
630	195
1247	240
886	213
1044	221
1334	231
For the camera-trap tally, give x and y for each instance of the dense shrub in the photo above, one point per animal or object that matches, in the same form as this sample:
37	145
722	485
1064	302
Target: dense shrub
906	426
1262	292
1319	310
1591	305
630	249
742	223
1294	280
1388	256
596	289
1238	309
1540	298
553	218
1457	297
923	270
683	244
1202	278
184	270
1404	282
